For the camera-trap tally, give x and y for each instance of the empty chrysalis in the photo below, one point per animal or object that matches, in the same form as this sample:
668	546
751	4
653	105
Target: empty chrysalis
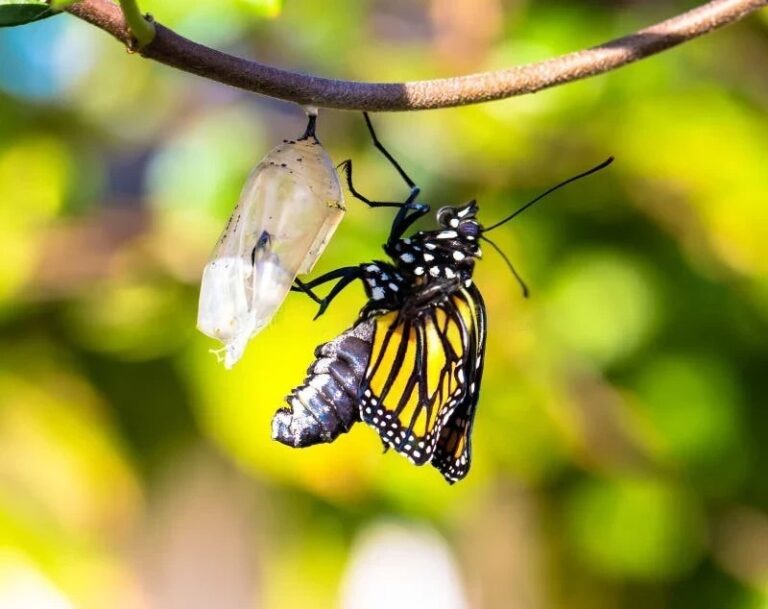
287	212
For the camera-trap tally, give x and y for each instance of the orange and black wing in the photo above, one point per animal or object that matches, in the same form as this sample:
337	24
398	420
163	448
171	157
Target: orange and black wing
422	370
453	452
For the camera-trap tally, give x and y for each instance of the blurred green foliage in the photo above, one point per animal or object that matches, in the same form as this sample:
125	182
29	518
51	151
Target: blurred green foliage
622	419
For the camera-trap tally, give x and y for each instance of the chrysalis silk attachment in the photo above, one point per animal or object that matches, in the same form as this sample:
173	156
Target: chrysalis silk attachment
288	210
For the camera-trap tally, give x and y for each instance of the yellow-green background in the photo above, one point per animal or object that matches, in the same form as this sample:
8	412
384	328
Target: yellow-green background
620	443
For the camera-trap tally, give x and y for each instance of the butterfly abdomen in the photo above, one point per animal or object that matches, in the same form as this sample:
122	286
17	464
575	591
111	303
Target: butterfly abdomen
326	403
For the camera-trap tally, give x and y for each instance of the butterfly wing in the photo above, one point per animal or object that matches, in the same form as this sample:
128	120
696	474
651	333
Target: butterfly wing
419	372
453	452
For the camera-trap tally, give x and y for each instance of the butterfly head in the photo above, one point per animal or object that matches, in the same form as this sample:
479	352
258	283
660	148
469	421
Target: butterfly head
462	219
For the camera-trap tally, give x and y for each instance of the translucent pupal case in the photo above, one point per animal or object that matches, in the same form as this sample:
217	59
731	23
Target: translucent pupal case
287	212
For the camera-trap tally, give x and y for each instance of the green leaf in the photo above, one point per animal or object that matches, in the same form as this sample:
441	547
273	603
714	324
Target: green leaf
19	12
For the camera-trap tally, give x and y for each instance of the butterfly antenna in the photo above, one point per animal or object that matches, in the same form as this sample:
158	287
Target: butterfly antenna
595	169
511	267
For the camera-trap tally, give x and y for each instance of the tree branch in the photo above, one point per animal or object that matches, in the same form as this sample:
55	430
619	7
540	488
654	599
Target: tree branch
176	51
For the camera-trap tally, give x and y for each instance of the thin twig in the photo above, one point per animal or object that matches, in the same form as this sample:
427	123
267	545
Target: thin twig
143	29
179	52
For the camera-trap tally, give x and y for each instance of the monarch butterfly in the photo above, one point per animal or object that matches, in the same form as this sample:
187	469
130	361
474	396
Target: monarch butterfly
288	210
412	364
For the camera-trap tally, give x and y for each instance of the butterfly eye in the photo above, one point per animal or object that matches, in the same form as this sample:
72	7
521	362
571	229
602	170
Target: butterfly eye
445	215
469	228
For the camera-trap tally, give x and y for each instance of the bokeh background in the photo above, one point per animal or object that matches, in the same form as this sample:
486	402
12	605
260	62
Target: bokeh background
620	445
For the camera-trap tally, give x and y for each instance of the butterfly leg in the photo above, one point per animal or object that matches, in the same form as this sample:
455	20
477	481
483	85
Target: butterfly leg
349	275
403	220
345	276
409	213
409	210
380	147
300	286
346	169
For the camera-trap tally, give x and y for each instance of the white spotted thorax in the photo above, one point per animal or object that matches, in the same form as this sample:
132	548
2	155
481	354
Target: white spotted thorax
444	258
288	210
446	253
